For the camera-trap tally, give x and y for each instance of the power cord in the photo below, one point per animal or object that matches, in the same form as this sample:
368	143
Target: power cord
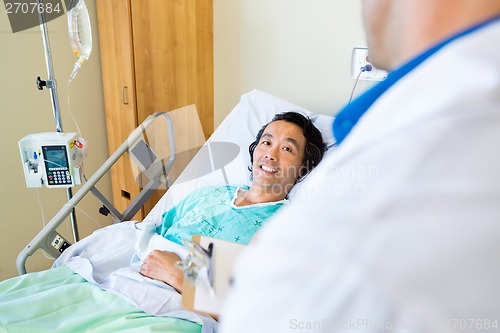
67	224
43	222
366	68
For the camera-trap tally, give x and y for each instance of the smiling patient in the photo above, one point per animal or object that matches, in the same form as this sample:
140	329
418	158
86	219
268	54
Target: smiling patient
284	152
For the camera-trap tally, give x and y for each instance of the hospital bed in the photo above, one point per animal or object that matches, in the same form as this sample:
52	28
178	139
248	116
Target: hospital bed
108	294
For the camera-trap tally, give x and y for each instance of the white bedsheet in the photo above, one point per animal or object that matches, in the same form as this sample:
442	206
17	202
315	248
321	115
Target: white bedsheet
111	258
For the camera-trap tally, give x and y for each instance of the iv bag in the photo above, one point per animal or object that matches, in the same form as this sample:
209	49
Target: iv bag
80	33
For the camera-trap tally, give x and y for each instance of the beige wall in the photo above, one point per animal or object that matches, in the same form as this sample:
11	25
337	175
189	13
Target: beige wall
299	50
25	110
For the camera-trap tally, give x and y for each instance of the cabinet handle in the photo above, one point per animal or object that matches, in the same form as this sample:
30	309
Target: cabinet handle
124	95
126	194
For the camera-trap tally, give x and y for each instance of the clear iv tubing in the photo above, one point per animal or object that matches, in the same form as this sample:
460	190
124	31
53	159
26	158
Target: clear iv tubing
76	68
80	37
71	111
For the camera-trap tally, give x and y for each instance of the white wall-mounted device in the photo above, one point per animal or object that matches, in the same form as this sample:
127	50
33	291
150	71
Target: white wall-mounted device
359	62
51	159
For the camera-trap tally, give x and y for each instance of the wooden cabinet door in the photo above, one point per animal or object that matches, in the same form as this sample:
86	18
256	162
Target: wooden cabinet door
173	57
156	55
117	63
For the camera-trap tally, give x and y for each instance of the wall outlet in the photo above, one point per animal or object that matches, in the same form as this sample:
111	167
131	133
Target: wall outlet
360	60
57	242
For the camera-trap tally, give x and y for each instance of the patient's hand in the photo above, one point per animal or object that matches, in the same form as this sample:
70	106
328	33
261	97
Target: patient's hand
160	265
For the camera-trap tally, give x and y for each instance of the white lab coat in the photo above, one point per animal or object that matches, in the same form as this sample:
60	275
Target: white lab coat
399	227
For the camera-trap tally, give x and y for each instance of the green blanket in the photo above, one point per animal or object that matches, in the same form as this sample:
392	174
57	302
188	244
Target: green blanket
58	300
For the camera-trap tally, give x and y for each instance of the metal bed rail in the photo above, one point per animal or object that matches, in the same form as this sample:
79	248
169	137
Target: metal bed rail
50	240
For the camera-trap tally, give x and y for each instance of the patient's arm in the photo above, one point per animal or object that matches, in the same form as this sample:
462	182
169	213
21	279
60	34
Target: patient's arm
160	265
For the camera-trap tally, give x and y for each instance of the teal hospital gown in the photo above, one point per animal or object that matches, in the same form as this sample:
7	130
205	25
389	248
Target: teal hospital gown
210	211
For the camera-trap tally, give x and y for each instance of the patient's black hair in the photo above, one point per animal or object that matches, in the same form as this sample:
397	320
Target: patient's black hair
315	146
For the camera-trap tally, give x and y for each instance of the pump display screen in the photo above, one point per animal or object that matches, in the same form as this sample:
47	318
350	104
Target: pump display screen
56	165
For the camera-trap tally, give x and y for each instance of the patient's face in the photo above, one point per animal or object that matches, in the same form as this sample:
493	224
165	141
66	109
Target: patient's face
278	157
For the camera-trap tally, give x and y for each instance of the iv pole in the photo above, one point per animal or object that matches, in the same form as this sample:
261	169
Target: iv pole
51	85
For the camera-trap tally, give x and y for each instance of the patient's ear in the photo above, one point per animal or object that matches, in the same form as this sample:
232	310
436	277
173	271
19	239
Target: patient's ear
303	171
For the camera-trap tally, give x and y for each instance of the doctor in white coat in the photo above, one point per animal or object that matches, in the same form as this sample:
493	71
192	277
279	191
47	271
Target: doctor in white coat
399	230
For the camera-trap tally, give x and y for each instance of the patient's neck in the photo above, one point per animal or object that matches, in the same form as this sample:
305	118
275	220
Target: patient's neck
256	195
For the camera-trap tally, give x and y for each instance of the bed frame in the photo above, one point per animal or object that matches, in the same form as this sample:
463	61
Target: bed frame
239	128
54	244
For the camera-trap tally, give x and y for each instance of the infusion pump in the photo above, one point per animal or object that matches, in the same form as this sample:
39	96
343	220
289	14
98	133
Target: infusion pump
52	159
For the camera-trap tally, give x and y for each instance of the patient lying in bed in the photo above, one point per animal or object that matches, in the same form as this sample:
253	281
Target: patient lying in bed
284	152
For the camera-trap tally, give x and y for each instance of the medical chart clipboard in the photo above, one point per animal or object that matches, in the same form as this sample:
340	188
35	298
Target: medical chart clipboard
198	297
